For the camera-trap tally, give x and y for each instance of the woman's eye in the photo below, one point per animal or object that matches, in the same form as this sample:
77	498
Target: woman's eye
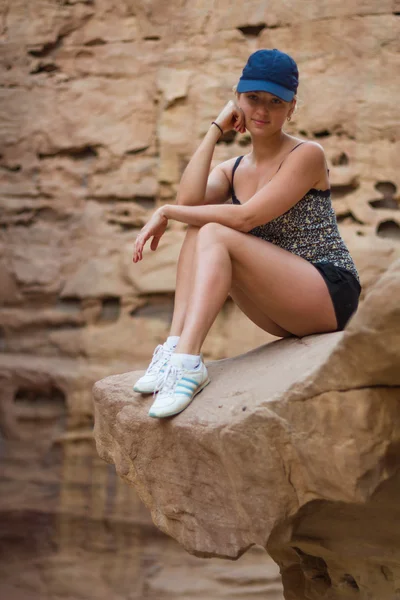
276	101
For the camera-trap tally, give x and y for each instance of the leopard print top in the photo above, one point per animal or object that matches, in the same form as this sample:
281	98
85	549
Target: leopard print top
308	229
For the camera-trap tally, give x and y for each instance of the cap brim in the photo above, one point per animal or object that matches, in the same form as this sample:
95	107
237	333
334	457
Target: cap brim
254	85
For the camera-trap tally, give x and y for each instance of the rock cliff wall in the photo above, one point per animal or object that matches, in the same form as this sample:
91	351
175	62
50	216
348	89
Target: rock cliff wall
102	103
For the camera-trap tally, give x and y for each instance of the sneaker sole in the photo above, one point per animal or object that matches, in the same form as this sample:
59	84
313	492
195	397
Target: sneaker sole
139	391
201	388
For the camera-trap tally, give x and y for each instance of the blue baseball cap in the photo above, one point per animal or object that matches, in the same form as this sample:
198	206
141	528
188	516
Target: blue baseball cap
270	71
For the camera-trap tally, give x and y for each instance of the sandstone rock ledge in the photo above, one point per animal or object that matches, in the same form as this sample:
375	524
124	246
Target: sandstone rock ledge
294	446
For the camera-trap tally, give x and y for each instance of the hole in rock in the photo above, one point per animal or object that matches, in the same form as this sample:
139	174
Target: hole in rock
245	141
360	233
96	42
45	68
227	138
79	153
338	191
252	30
303	132
390	203
147	202
41	411
50	215
84	54
348	217
137	151
387	573
388	191
389	229
349	579
158	307
12	168
313	567
152	38
72	306
386	188
340	159
322	133
83	153
110	309
46	48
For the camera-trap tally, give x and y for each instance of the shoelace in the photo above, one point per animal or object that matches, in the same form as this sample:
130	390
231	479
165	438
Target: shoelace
167	380
159	354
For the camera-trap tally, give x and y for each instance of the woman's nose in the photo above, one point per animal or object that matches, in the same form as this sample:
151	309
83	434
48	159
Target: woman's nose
262	109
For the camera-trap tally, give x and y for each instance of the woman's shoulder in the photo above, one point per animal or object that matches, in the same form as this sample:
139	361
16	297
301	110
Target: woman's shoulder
309	146
307	151
228	165
308	158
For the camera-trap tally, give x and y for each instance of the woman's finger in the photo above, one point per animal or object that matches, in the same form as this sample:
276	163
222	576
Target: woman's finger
134	252
137	248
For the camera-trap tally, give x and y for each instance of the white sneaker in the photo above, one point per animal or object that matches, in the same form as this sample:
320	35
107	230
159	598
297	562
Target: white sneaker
177	387
161	357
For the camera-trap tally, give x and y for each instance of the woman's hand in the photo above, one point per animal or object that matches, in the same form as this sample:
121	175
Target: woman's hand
155	228
231	117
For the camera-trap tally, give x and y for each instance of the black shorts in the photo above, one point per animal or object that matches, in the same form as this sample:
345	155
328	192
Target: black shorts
344	290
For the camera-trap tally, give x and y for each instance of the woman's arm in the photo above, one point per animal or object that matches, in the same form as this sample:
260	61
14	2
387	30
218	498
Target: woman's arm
192	187
230	215
195	178
298	175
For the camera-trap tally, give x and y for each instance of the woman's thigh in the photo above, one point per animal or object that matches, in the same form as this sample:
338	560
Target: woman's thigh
255	314
284	287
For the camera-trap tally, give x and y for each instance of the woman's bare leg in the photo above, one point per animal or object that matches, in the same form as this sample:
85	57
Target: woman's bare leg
286	288
184	286
184	280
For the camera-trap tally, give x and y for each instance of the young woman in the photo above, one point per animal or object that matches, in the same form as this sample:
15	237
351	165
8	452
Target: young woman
276	250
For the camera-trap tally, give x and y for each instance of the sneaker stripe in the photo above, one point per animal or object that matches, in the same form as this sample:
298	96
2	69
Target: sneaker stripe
188	387
183	393
190	380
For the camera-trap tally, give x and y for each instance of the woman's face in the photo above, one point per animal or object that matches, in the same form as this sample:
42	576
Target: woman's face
264	112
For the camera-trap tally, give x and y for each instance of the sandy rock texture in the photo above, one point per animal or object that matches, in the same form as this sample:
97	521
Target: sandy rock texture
294	446
102	103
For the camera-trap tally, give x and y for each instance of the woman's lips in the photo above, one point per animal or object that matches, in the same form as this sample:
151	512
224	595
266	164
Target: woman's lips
260	122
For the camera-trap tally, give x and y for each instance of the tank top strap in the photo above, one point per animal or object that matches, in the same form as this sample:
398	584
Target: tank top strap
235	166
289	153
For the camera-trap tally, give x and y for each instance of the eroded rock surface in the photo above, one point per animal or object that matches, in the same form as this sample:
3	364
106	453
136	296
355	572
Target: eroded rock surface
102	104
294	446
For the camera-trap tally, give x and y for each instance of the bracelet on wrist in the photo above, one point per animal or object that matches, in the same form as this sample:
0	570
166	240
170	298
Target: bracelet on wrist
220	128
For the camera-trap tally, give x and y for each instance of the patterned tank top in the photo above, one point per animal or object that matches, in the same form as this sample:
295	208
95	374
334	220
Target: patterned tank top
308	229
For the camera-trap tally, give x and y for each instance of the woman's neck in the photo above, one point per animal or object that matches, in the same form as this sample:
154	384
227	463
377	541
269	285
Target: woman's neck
266	149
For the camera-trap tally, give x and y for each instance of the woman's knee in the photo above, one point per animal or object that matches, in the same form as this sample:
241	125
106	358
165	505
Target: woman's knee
210	233
192	230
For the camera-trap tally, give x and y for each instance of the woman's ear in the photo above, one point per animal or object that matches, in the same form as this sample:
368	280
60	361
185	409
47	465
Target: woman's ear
292	108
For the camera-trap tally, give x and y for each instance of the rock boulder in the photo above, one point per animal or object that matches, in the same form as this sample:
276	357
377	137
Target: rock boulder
295	446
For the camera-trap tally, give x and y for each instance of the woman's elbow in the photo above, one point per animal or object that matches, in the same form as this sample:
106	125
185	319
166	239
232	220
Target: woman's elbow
183	200
245	223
